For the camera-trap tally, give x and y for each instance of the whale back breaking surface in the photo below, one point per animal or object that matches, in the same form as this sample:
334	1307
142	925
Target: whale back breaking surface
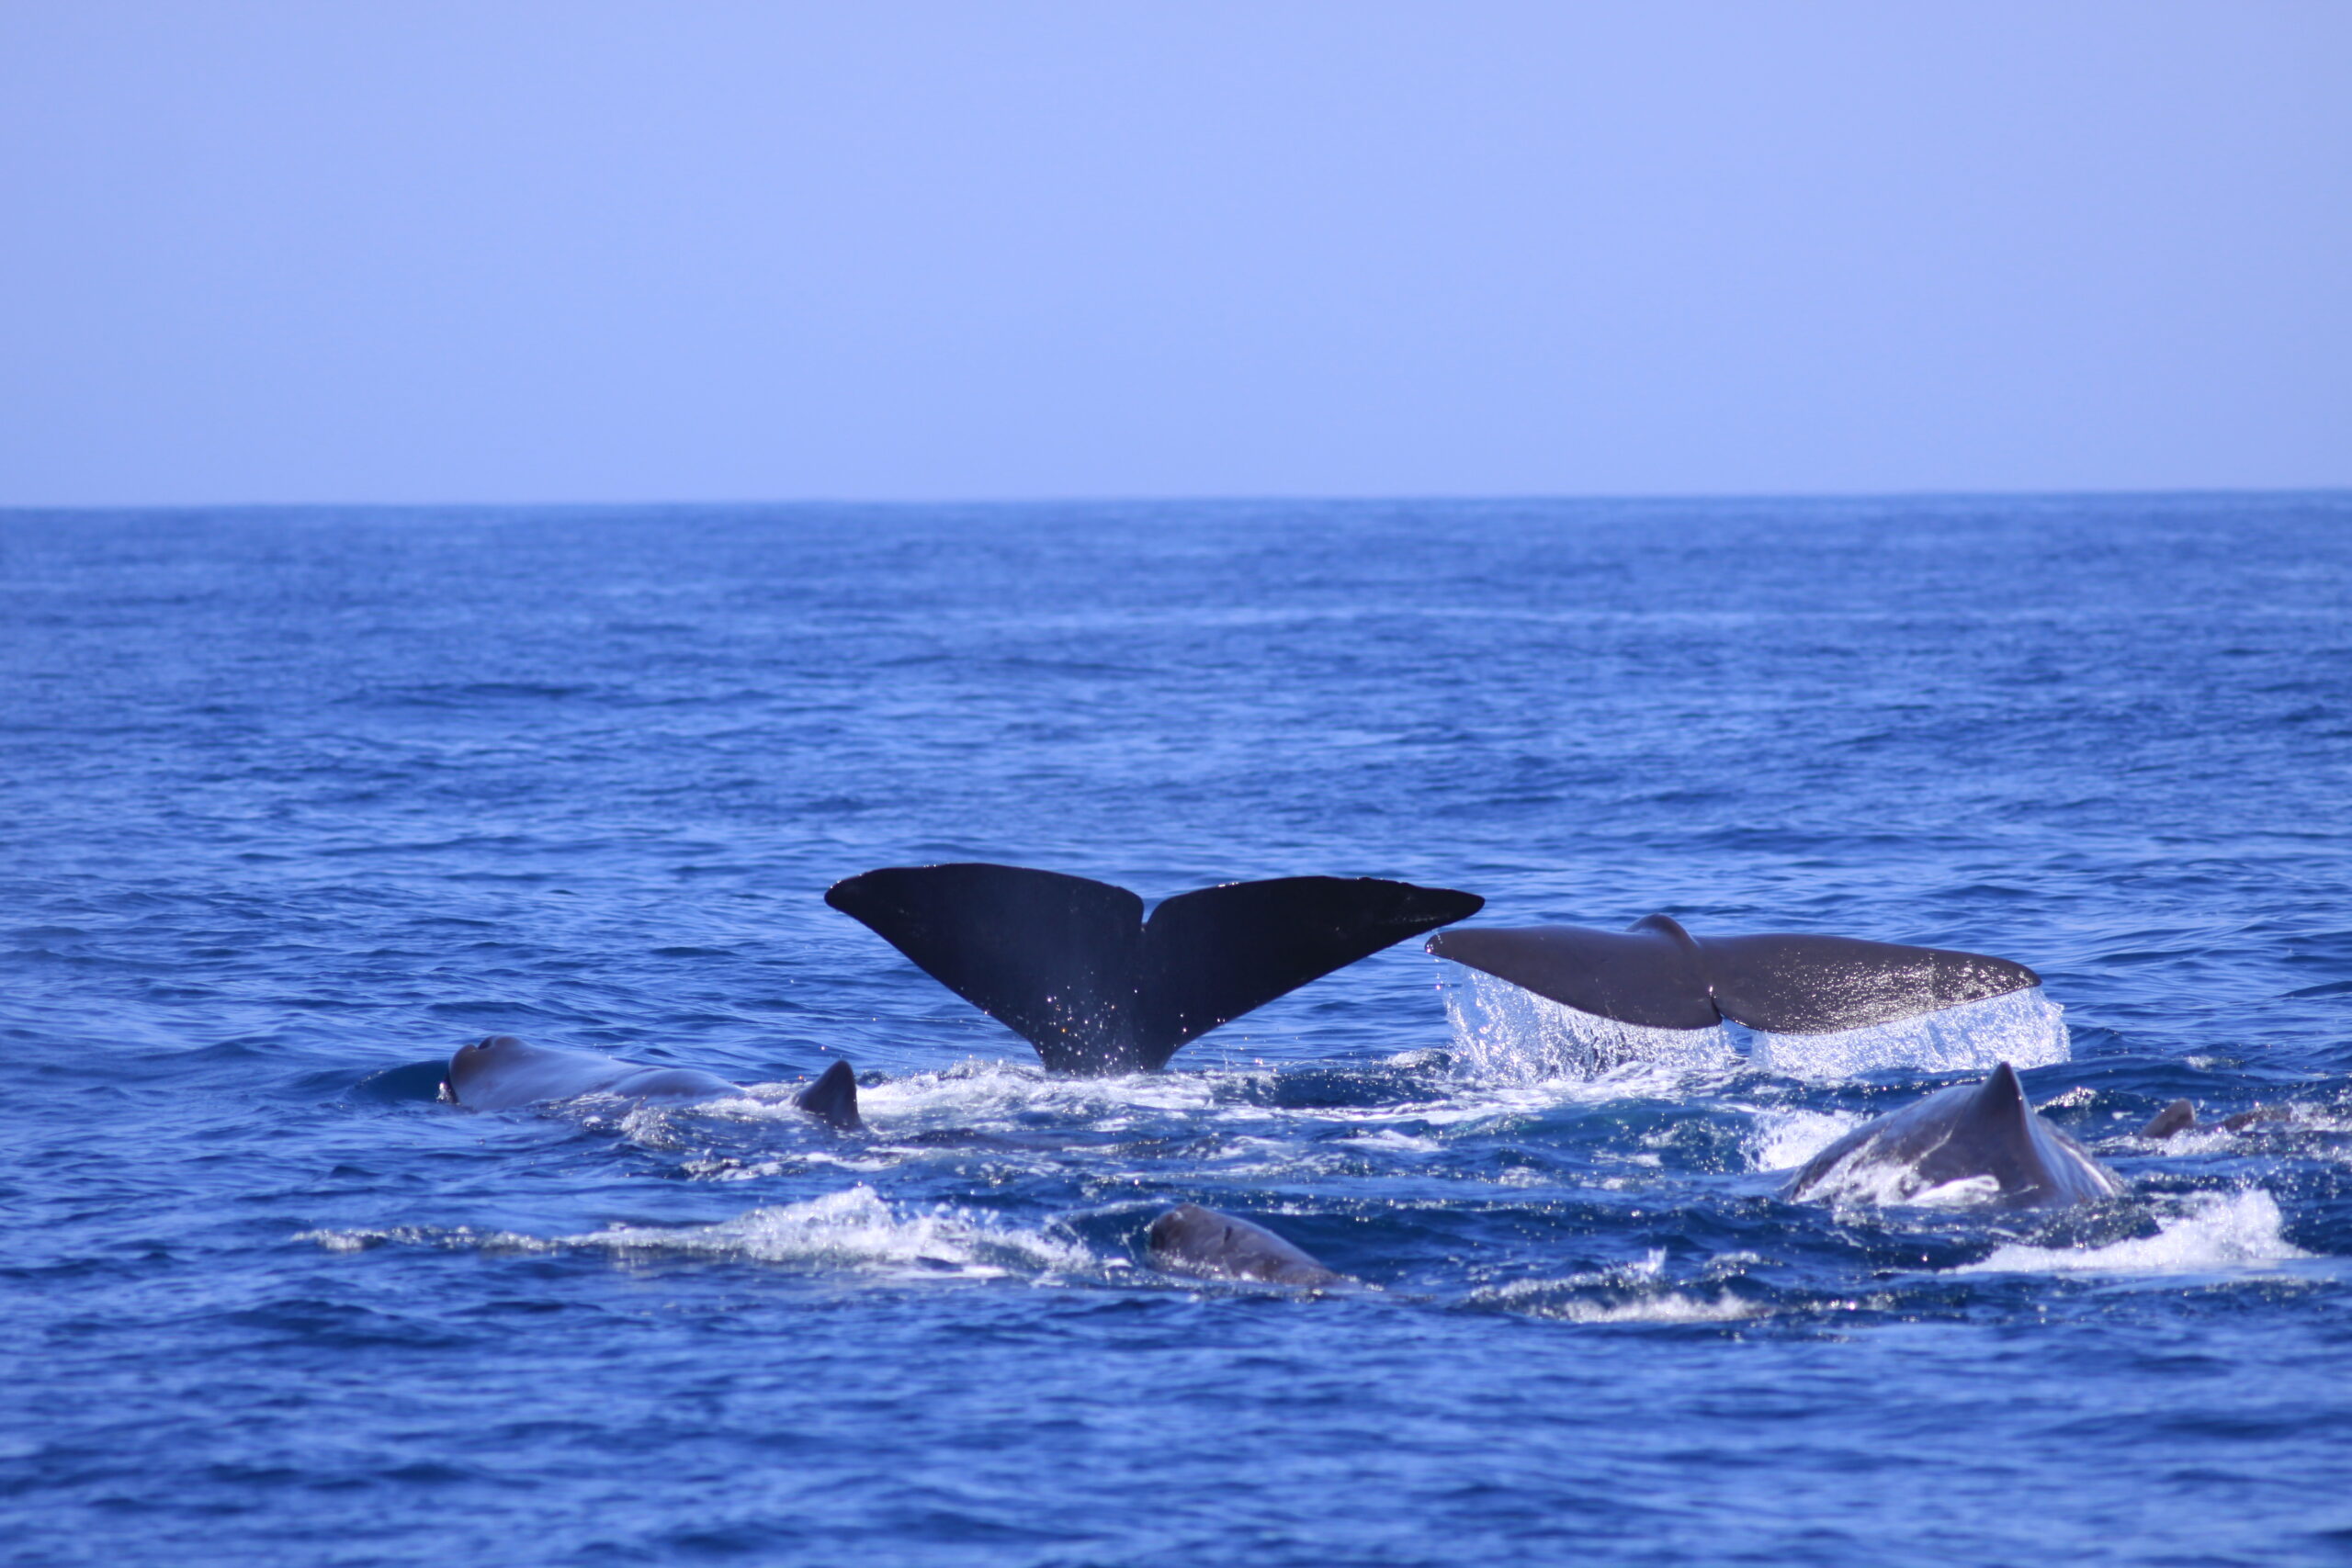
1072	966
502	1073
1658	976
409	1081
1970	1133
1189	1240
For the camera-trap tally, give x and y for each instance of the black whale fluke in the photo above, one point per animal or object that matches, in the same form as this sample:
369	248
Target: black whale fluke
1657	974
1072	966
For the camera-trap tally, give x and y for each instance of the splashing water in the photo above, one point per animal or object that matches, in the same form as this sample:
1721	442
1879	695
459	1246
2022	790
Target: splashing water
1504	1033
1783	1139
2025	1029
1507	1033
852	1230
2218	1231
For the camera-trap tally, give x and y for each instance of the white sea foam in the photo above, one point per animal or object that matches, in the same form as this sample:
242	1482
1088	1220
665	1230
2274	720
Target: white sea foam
363	1239
1245	1158
1783	1140
1673	1306
854	1230
996	1094
1630	1292
2214	1232
2025	1029
1647	1269
1507	1033
1392	1141
1879	1183
862	1160
1965	1193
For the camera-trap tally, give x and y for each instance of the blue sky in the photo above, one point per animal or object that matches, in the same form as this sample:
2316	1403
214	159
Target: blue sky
587	251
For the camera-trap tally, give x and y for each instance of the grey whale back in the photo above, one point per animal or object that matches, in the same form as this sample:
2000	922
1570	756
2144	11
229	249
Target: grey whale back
1961	1134
502	1073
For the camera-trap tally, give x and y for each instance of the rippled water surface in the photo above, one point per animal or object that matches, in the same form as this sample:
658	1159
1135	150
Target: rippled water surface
294	796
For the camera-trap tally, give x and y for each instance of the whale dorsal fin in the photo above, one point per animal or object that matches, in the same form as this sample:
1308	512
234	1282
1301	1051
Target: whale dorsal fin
1965	1132
832	1099
1990	1132
1070	965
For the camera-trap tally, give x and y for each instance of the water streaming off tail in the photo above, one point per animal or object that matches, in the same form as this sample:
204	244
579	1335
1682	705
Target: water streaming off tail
1507	1033
2025	1029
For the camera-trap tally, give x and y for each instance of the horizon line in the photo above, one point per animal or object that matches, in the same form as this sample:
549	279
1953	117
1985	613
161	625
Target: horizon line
1202	499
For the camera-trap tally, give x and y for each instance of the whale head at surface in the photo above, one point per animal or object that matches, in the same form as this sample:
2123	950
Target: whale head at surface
1189	1240
502	1073
469	1062
474	1067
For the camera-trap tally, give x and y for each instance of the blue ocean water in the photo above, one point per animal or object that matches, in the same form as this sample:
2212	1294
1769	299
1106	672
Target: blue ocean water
291	797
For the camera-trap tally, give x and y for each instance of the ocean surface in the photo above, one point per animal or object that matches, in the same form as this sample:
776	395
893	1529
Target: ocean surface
292	796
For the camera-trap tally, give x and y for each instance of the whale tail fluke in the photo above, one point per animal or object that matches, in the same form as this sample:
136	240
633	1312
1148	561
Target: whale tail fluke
1657	974
1072	966
832	1099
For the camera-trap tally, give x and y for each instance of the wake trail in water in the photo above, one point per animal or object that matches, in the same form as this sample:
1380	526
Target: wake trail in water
2207	1232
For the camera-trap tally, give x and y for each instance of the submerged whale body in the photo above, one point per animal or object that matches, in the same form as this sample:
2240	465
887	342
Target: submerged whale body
1189	1239
1658	976
2180	1117
502	1073
1982	1133
1073	968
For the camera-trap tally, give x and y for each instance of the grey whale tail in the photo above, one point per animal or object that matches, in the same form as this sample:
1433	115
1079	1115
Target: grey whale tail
1656	975
1072	966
